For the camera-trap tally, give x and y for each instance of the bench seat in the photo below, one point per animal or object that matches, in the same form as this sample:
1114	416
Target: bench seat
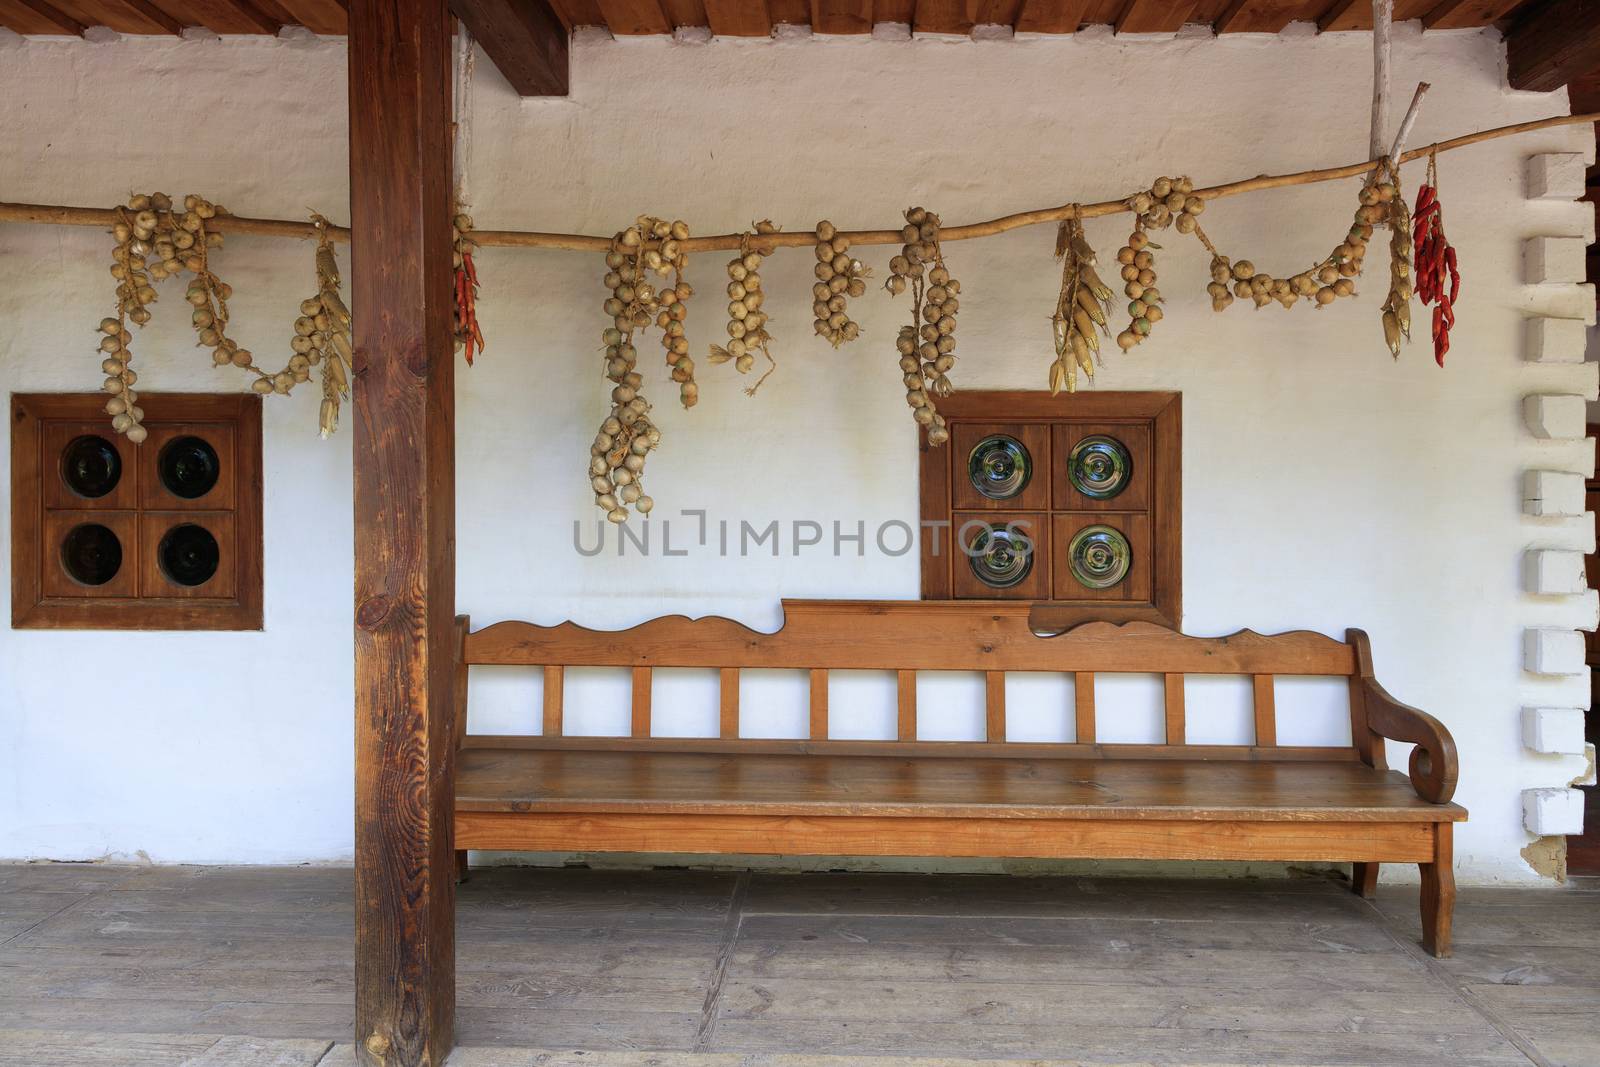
553	791
578	780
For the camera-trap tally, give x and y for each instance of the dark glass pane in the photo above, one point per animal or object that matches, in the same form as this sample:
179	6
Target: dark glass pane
91	466
1001	557
188	554
189	467
91	554
999	467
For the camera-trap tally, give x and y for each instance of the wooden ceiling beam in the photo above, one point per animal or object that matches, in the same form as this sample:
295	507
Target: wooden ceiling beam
55	16
524	39
1154	16
1553	43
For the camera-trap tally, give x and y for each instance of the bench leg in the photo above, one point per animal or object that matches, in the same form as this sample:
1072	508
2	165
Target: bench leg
461	865
1439	893
1364	879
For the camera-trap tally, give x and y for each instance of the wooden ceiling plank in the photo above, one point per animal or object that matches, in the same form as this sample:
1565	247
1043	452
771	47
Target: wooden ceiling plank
1258	16
319	16
682	13
24	20
263	22
943	16
57	18
789	13
738	18
157	17
1051	16
841	16
1555	42
524	39
1154	16
634	18
998	12
894	11
574	13
1345	15
1461	14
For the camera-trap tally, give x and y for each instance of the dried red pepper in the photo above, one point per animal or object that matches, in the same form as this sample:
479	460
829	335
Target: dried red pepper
467	332
1435	260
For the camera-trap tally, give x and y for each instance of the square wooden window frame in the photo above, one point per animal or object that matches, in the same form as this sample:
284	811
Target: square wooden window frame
32	609
1163	411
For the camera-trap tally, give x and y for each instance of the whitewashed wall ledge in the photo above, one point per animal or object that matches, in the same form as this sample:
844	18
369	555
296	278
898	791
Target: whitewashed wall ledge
1553	731
1552	812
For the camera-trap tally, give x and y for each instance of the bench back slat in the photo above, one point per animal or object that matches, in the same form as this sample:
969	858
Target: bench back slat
1176	726
819	704
907	637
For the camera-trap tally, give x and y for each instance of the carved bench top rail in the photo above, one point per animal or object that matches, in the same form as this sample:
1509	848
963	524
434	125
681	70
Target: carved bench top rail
908	636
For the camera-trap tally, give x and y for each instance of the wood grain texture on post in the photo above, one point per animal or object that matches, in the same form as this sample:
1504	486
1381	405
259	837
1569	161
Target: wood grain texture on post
404	476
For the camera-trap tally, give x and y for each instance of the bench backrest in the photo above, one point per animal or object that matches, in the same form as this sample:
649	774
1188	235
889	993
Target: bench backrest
910	636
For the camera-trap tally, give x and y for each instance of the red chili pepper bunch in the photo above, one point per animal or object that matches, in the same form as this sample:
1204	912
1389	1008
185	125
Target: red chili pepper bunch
1435	260
469	336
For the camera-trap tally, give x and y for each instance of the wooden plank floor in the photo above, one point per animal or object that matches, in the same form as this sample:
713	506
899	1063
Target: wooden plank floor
241	966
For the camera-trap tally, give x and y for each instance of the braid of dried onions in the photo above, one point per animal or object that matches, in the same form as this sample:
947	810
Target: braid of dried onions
839	278
1168	202
1322	283
627	436
747	323
927	351
153	242
321	338
1080	307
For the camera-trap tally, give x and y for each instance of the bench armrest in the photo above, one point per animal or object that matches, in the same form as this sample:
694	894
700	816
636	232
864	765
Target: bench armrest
1434	768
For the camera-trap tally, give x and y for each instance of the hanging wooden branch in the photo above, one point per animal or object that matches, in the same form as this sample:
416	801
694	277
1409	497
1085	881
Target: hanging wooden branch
84	216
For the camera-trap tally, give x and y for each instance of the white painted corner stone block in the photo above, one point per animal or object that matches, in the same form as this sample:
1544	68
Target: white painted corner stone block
1553	651
1553	260
1555	176
1552	340
1552	493
1553	572
1552	812
1555	416
1555	731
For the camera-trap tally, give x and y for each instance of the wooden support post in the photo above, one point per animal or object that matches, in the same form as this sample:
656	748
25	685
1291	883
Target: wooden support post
404	459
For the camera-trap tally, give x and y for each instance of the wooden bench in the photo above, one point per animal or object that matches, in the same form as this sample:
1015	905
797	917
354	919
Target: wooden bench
992	798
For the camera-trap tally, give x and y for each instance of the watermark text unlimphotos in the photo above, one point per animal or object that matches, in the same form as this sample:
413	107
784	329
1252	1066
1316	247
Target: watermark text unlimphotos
695	532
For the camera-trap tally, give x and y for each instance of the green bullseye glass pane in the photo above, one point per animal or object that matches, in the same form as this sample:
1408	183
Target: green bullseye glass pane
999	467
1000	557
1099	557
1099	467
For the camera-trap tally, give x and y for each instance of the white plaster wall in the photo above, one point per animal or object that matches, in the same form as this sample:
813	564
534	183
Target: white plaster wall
1325	485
